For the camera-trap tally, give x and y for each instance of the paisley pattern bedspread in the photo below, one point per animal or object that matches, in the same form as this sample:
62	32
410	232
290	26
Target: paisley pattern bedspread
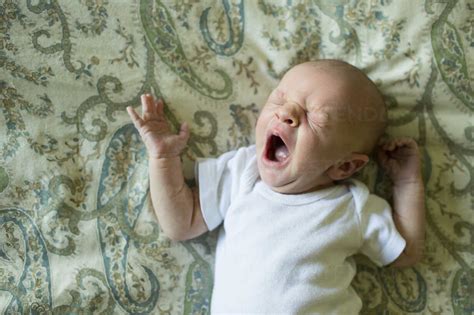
77	232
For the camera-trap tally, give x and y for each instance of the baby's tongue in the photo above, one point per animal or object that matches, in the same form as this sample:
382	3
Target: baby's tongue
281	153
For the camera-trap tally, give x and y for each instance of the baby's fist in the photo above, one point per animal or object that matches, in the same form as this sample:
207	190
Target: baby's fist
400	159
155	131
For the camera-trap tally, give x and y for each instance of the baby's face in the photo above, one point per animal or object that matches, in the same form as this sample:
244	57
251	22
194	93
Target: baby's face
300	133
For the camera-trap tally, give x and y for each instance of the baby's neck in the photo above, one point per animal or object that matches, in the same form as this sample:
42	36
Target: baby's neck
319	187
313	189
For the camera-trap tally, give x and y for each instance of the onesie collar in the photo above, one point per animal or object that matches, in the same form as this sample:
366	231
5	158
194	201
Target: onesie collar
298	199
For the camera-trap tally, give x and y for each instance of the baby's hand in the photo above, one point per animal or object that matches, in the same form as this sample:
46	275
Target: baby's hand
400	159
155	130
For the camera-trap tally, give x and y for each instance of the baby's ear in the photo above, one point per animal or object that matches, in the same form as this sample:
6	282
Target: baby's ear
348	167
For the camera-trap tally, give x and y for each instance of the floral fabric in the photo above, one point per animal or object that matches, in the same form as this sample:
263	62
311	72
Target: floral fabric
77	233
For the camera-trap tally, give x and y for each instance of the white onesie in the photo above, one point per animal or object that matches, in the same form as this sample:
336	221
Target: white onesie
289	254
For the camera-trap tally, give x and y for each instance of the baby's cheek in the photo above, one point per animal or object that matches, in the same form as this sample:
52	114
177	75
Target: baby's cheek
263	119
260	129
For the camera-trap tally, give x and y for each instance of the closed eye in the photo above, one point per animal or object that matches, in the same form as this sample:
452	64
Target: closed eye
276	97
317	120
277	100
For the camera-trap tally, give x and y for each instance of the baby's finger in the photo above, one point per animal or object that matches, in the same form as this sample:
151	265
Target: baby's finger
184	132
147	106
390	145
381	155
409	142
159	107
406	143
382	140
136	119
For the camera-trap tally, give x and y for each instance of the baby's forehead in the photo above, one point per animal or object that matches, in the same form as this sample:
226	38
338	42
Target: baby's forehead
309	71
334	79
317	86
331	68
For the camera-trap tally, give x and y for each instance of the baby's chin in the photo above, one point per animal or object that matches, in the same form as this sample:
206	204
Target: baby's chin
292	186
282	185
284	189
276	184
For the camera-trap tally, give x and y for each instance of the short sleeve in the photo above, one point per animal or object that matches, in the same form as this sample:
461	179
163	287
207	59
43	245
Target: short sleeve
219	182
381	241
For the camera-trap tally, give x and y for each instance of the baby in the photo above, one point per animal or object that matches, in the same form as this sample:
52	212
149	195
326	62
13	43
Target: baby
291	215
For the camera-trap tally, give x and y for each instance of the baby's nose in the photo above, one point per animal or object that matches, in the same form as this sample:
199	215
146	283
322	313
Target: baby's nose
288	113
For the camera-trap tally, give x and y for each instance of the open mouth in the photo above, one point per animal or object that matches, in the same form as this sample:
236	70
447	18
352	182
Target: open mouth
277	151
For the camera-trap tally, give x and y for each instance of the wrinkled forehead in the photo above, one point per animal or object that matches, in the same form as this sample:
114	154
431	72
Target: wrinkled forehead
311	84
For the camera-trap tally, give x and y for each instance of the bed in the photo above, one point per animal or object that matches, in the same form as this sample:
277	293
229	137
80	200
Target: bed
77	231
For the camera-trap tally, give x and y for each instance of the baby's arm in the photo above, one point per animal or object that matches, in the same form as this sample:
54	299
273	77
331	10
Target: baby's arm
176	206
400	158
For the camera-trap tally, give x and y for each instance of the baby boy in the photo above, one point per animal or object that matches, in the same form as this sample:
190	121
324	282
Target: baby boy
291	217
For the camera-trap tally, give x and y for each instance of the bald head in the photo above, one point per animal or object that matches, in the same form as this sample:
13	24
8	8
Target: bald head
360	104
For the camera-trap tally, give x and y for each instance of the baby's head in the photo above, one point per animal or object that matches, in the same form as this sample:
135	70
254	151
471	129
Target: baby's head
318	126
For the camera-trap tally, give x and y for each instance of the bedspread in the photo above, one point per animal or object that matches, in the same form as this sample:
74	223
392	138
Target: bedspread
77	231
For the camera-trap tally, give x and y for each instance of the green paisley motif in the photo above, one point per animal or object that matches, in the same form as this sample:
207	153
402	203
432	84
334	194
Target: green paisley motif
234	12
91	104
463	291
200	118
117	227
298	31
241	131
52	7
347	34
162	36
406	288
77	229
462	152
14	107
74	216
22	245
4	179
199	280
368	287
450	58
89	281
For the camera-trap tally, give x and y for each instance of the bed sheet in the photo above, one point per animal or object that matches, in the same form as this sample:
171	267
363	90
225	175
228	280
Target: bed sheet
77	233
